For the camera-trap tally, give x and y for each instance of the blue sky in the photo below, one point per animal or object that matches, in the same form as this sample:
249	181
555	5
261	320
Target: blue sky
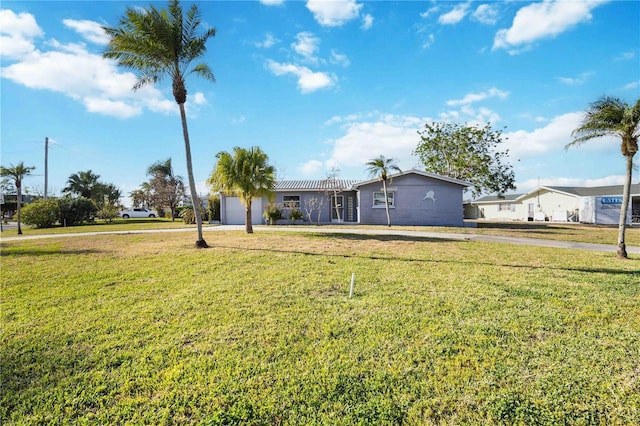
320	85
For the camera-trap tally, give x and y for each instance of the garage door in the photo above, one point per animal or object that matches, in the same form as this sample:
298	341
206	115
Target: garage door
234	210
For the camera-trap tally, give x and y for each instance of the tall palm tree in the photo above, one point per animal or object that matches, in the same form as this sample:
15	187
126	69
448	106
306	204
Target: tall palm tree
611	116
380	167
159	43
83	184
17	173
246	173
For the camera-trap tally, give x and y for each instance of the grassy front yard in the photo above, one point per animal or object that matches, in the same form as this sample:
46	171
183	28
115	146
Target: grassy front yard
259	329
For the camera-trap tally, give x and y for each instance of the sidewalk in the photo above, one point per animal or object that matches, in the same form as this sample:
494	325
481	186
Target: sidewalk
611	248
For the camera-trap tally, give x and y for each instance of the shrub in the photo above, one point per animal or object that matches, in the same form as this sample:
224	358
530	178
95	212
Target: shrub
75	211
214	207
296	214
188	215
108	211
41	213
272	213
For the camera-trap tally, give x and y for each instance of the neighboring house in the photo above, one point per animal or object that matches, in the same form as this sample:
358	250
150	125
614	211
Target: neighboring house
599	205
415	198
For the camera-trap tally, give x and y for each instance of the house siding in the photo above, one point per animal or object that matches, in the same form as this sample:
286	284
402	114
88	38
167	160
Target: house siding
559	204
418	200
555	206
349	212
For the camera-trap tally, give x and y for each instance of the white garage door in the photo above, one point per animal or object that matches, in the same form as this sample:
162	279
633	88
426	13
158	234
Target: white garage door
235	211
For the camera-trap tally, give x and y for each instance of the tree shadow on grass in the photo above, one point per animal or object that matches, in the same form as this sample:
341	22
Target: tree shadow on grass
369	237
22	251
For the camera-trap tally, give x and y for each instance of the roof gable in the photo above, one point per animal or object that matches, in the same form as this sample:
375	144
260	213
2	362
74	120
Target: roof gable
583	191
419	173
573	191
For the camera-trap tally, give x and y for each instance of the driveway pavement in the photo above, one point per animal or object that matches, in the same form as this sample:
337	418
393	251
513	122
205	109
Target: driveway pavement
362	231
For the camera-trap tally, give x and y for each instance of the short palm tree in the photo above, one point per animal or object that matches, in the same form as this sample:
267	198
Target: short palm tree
160	43
246	173
17	173
83	184
610	116
381	167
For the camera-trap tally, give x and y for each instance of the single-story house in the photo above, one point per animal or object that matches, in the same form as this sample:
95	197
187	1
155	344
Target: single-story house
599	205
415	198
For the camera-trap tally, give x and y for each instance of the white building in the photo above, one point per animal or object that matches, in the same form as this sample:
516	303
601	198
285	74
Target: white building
600	205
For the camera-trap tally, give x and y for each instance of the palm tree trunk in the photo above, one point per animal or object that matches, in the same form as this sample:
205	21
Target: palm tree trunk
18	204
622	226
248	226
201	243
386	202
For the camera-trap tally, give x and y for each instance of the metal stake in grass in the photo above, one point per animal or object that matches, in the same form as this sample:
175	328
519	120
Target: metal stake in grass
353	279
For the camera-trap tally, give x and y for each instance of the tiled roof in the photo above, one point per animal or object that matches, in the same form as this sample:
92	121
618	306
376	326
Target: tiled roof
314	185
595	190
494	198
578	191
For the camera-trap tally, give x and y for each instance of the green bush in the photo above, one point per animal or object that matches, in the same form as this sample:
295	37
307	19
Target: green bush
75	211
188	215
41	213
296	214
214	207
272	213
108	212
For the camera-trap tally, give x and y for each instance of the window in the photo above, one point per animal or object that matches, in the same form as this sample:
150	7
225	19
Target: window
506	207
378	199
291	201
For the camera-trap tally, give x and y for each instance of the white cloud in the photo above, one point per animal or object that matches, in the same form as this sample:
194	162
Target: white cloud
625	56
308	81
334	13
238	120
428	41
631	86
471	116
393	136
543	20
486	14
576	81
118	109
475	97
306	46
429	12
339	59
367	22
269	41
454	16
90	30
312	168
199	98
272	2
17	33
554	136
72	70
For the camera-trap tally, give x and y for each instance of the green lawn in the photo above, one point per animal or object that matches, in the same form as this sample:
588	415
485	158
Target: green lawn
259	329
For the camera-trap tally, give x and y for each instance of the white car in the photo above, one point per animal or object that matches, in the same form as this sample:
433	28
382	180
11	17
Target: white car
126	214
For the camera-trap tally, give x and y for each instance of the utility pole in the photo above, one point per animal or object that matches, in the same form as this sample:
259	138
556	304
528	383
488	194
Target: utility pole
46	165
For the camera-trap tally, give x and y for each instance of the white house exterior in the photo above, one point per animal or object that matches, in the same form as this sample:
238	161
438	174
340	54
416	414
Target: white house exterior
558	204
415	198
